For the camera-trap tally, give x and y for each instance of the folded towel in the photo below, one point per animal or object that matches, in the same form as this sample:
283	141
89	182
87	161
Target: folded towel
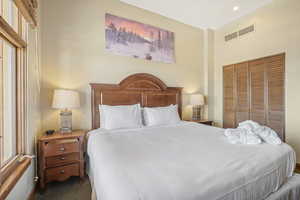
250	137
249	125
250	132
268	135
242	136
233	135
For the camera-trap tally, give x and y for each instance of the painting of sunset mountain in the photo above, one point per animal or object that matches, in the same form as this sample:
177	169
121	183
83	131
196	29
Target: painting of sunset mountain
130	38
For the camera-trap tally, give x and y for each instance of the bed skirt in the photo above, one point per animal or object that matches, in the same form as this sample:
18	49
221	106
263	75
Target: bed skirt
289	191
89	172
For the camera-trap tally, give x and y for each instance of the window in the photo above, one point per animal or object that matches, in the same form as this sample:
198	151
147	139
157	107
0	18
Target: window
10	13
12	82
9	104
14	18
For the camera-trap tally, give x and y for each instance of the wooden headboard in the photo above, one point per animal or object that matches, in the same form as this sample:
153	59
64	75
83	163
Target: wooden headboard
142	88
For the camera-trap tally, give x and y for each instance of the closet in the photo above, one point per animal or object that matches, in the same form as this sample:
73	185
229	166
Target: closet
255	90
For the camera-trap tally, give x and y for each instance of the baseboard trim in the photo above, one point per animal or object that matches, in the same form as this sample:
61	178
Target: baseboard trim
32	193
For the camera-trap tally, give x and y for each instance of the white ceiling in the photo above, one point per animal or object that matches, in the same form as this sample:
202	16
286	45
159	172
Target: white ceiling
200	13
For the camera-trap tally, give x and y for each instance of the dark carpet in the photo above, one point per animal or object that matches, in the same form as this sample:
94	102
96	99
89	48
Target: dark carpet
72	189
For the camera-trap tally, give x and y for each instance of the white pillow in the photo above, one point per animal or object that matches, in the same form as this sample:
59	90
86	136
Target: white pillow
116	117
161	115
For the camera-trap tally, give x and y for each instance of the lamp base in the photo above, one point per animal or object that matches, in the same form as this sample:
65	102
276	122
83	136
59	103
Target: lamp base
66	121
196	113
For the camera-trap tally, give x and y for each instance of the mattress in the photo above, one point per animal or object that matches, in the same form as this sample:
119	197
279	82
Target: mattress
186	161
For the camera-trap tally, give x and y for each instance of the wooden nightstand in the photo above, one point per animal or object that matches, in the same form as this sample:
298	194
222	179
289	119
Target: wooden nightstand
207	122
61	156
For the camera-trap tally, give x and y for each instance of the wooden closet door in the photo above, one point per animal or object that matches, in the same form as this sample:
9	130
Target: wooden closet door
257	91
229	97
242	92
275	71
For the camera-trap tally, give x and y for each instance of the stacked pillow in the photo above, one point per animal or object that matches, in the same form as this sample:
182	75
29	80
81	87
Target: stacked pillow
161	115
133	116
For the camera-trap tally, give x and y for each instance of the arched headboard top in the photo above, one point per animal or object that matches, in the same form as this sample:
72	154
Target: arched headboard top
146	89
143	81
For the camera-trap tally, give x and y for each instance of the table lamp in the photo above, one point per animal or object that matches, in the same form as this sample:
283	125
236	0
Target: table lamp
65	100
197	101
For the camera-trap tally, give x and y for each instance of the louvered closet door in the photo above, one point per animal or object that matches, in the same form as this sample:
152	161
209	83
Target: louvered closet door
275	95
229	96
242	92
257	91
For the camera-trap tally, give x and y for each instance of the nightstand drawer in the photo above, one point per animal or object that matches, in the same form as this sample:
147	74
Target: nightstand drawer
60	147
55	161
62	173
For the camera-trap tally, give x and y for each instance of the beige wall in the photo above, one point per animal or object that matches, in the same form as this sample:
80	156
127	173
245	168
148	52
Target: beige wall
210	61
277	30
73	53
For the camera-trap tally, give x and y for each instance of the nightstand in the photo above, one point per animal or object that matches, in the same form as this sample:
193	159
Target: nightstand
61	156
207	122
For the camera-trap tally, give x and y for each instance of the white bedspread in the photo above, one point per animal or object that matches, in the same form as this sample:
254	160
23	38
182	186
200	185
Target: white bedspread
188	161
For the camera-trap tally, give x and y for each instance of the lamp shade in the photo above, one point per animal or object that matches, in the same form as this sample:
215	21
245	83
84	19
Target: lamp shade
65	99
197	99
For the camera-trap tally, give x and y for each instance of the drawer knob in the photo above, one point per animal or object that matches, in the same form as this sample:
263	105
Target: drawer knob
62	171
62	149
62	158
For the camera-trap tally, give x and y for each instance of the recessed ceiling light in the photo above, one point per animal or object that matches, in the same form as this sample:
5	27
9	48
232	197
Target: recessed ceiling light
236	8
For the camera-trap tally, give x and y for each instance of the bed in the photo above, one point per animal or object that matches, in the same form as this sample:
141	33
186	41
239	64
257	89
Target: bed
185	161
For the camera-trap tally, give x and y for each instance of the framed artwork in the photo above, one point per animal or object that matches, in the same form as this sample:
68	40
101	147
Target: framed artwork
130	38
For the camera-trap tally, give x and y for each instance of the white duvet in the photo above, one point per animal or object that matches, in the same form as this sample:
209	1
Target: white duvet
188	161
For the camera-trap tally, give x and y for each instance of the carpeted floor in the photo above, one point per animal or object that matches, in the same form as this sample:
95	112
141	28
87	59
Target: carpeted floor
72	189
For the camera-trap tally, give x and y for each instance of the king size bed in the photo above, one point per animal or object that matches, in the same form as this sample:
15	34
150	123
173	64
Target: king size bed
184	160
